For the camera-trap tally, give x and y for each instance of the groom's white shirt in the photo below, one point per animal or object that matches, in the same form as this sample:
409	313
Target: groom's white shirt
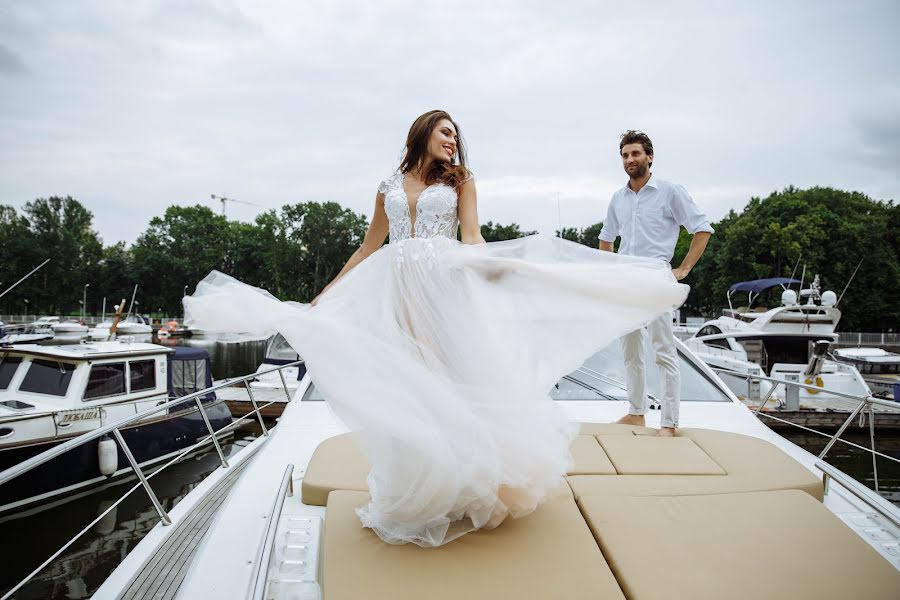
648	221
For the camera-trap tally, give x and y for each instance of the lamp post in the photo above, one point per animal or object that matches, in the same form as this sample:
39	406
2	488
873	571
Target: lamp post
84	300
26	309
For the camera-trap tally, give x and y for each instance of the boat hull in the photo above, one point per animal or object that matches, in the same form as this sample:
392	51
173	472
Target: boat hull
80	467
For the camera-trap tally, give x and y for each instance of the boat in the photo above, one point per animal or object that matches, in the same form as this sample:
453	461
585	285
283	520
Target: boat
279	521
273	389
173	329
879	368
789	342
135	325
69	329
52	394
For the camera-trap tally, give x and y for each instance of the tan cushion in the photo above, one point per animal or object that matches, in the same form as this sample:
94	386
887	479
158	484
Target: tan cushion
588	457
614	429
756	545
646	455
548	554
751	465
336	464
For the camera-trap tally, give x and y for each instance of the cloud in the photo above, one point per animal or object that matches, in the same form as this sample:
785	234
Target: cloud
10	62
131	107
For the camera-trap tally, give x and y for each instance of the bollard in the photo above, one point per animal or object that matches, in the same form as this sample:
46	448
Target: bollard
791	392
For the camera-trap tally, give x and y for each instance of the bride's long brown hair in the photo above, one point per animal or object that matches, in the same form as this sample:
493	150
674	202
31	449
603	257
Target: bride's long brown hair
453	173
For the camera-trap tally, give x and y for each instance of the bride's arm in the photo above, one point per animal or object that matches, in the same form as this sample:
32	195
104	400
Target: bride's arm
378	230
469	228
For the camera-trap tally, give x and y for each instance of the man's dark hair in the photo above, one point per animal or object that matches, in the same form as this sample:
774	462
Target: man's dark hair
632	136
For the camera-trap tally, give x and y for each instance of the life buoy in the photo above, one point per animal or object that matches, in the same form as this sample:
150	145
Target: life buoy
818	383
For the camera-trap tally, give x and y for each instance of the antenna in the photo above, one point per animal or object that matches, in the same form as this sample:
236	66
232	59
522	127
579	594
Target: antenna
10	288
796	264
559	214
848	282
223	200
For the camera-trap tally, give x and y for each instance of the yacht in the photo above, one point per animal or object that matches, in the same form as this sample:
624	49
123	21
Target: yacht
639	516
69	329
878	367
790	341
52	394
273	389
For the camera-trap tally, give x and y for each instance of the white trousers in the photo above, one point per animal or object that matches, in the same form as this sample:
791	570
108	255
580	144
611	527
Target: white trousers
663	341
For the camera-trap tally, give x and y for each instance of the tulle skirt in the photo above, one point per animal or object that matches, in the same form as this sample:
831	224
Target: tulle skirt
440	356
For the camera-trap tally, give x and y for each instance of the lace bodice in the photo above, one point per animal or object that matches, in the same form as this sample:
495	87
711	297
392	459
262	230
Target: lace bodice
435	210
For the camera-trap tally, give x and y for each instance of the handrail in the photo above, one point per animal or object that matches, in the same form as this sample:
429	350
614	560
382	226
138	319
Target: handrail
884	508
143	480
865	402
51	453
262	565
870	398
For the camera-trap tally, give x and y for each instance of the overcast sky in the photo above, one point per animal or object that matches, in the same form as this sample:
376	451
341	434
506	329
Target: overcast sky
131	107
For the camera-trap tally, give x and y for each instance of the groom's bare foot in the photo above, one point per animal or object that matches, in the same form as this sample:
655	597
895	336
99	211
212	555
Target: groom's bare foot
637	420
666	432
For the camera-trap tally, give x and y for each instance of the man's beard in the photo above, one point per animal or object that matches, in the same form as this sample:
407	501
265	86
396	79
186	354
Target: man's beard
639	172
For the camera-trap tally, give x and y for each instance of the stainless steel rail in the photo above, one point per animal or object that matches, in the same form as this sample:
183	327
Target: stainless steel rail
143	481
866	403
262	564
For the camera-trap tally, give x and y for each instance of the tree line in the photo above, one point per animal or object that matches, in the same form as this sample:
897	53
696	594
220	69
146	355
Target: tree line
295	251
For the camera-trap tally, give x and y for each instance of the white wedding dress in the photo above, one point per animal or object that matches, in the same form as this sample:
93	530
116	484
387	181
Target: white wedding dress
440	356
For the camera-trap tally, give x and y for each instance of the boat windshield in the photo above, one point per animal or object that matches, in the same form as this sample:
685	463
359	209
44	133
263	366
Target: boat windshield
47	377
8	367
602	377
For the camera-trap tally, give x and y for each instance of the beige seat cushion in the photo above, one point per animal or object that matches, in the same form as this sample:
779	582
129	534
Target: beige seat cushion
547	555
614	429
750	464
646	455
338	464
589	458
780	544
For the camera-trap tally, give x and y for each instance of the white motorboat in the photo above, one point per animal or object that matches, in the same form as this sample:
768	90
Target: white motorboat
272	389
789	342
878	367
726	489
51	394
69	329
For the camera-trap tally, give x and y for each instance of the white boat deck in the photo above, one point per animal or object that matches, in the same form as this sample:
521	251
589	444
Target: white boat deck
162	575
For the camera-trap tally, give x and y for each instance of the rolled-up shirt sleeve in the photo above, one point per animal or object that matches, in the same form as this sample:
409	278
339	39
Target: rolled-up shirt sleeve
686	212
610	230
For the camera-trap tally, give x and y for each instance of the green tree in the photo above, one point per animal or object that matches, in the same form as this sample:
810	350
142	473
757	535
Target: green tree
830	229
495	232
179	250
20	255
62	229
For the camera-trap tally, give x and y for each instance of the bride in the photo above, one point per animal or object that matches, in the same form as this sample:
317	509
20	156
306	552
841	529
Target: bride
440	354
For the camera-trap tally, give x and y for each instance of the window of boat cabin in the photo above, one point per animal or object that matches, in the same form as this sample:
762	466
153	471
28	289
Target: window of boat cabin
106	379
142	375
49	377
790	350
718	343
708	330
8	367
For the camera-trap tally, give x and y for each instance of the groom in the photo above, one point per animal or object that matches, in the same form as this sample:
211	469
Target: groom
648	213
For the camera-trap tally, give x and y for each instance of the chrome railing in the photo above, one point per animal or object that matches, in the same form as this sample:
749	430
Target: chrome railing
144	480
262	564
866	404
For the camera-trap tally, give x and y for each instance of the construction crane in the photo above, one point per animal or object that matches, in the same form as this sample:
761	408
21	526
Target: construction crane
223	199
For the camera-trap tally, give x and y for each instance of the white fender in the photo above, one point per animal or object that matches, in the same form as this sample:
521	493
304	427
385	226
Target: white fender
108	453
